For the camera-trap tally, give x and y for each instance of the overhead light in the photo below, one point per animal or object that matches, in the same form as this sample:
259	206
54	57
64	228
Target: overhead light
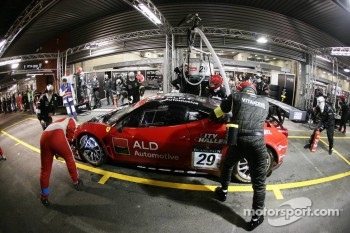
254	48
2	43
148	13
262	39
3	63
322	58
346	70
14	65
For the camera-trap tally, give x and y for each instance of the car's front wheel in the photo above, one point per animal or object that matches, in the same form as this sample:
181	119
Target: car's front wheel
91	150
241	170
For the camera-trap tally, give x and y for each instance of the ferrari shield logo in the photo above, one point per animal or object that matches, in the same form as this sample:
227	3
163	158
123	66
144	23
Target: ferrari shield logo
108	129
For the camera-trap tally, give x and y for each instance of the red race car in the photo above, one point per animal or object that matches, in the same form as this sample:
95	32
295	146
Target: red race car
170	131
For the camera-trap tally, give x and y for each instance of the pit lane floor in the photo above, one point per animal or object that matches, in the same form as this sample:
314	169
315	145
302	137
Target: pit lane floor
123	199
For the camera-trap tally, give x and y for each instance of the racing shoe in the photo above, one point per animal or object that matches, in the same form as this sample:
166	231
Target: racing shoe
307	146
255	222
221	194
330	151
45	201
79	186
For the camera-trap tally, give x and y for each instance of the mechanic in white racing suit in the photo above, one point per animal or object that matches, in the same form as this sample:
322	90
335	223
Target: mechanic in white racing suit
245	139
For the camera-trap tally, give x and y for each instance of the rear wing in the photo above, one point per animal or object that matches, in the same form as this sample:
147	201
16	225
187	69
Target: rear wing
283	110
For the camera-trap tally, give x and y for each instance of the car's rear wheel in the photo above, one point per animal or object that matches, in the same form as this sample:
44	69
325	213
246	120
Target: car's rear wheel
241	170
91	150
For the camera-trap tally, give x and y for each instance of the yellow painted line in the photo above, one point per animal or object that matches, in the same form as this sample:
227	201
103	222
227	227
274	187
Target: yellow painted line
275	188
104	179
276	191
19	122
335	151
21	142
307	137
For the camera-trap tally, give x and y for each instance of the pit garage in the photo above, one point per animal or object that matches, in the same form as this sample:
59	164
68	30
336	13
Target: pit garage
121	198
308	191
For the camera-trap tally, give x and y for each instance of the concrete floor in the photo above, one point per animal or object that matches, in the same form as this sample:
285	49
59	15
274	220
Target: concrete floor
127	203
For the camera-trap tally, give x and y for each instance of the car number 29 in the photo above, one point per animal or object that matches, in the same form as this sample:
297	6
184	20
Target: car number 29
209	160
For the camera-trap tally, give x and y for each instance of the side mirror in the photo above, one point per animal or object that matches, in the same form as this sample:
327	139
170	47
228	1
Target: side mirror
120	128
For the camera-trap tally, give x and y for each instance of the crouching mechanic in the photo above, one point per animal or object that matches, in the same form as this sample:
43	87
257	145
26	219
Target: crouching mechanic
55	141
245	138
327	122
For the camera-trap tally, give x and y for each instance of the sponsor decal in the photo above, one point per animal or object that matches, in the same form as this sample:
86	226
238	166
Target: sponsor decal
254	103
145	145
210	138
121	146
267	131
82	106
280	147
182	100
156	155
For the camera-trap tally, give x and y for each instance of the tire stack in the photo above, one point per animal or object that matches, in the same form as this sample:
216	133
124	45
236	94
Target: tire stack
274	92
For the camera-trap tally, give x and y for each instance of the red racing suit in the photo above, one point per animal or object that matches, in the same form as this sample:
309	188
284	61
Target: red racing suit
55	141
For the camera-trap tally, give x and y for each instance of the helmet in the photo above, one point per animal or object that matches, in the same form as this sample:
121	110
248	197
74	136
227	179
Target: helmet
131	76
215	81
49	87
246	87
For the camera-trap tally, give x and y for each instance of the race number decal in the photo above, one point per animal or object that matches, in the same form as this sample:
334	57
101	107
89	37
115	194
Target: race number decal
205	158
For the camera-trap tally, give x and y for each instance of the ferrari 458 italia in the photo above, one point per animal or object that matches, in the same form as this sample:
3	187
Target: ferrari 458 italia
170	131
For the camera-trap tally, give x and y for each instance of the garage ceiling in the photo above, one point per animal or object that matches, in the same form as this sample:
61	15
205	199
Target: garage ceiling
314	23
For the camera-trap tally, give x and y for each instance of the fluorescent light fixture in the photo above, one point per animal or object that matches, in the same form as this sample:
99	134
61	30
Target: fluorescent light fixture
2	43
254	48
14	65
346	70
148	13
3	63
262	39
322	58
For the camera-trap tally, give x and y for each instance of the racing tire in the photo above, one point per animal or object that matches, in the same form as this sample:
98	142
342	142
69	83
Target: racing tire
273	93
274	87
90	150
241	170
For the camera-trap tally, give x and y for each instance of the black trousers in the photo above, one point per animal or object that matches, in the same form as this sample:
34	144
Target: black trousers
253	148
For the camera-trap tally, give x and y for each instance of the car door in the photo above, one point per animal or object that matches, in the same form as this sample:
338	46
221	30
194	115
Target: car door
155	136
207	141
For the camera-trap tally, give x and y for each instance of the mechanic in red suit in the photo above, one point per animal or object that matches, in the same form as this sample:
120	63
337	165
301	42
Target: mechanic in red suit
55	141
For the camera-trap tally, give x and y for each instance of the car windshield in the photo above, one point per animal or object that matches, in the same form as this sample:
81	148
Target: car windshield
114	117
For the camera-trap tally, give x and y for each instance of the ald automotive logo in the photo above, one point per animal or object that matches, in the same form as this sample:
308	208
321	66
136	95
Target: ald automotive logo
291	211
